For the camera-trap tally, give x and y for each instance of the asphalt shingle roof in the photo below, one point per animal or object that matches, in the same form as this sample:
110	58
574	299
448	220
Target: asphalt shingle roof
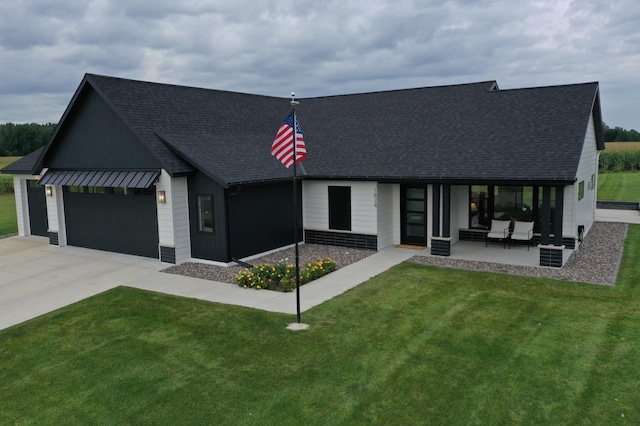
25	164
463	132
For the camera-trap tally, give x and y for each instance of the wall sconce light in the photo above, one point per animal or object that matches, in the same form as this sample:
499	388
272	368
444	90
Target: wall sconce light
49	191
162	197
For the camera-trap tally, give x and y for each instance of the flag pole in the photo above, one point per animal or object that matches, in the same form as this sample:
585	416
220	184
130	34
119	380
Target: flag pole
295	203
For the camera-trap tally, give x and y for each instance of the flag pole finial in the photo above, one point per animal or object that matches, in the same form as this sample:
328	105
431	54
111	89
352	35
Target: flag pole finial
293	99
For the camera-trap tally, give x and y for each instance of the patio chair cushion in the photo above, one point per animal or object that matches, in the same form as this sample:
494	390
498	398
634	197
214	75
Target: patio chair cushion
522	231
499	229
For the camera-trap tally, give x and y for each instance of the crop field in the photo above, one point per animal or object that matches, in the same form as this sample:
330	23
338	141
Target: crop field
622	146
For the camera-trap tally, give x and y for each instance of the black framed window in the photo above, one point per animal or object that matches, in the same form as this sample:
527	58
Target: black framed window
340	208
580	190
205	213
505	202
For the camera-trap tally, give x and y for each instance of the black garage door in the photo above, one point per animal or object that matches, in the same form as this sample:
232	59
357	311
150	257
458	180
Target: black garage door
112	219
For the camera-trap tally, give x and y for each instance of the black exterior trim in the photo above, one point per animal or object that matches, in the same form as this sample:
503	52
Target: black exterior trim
167	254
342	239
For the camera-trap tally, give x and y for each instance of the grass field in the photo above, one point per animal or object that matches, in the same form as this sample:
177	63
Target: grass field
5	161
622	146
8	221
416	344
619	186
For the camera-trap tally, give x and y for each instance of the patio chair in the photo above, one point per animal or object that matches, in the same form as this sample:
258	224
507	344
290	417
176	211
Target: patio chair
499	232
522	232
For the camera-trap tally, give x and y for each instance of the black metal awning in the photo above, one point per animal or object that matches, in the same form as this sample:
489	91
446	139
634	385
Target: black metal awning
106	178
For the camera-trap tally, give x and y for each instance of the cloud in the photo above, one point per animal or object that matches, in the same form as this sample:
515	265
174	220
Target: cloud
320	47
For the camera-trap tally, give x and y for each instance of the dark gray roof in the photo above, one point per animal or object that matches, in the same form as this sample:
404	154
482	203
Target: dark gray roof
465	132
24	165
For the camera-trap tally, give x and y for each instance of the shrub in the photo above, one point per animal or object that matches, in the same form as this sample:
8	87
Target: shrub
282	276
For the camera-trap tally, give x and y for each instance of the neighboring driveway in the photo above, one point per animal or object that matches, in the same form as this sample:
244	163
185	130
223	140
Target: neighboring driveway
36	278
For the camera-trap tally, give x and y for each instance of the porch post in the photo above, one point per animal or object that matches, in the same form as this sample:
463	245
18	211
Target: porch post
435	206
551	255
441	245
446	210
545	216
559	214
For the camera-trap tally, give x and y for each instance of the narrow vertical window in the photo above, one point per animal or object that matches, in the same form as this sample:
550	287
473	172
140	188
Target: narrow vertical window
340	208
205	213
580	190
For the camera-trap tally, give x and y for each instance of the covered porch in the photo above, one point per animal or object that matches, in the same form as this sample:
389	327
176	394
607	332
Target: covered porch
544	205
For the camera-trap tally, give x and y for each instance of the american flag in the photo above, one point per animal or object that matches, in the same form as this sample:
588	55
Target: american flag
282	147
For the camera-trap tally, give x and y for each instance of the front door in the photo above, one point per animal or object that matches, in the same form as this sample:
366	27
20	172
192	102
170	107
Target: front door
413	204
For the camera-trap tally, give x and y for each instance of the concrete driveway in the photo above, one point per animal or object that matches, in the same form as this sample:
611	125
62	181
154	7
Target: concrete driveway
36	278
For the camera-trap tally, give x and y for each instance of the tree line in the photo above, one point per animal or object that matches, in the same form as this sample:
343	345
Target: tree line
618	134
21	139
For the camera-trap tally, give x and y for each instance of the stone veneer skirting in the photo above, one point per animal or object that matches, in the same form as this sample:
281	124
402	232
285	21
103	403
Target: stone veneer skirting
481	234
551	256
440	246
167	254
343	239
53	238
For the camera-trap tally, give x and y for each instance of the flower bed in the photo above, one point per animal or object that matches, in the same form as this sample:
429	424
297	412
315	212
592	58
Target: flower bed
281	276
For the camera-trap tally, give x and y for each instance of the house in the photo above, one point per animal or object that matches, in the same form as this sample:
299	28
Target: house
180	173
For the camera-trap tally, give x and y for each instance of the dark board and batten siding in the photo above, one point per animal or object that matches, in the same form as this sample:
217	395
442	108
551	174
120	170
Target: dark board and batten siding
205	245
97	138
261	218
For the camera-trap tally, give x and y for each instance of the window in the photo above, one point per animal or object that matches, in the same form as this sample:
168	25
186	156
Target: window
340	208
205	213
581	190
76	189
502	202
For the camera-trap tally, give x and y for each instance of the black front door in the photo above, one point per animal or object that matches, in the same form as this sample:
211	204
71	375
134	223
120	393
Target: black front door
37	208
413	205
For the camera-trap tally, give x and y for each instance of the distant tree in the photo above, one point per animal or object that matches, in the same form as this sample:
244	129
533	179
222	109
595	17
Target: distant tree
618	134
21	139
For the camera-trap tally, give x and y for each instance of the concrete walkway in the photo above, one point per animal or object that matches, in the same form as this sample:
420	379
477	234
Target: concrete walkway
609	215
36	278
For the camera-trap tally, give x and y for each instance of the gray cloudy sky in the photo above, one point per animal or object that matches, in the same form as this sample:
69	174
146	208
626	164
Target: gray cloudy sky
317	47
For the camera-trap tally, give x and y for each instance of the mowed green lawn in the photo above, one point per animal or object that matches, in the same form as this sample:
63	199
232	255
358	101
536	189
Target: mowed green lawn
416	344
8	220
619	186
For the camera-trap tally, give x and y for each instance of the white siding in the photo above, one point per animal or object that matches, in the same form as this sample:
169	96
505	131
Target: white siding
315	206
180	195
55	214
386	215
22	204
173	216
459	210
583	212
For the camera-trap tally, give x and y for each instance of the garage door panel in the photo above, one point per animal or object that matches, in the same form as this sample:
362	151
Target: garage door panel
119	223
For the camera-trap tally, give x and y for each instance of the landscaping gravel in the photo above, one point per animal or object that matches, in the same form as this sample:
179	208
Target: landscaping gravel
596	260
308	253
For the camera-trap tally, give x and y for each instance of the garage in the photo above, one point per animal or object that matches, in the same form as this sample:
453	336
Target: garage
101	213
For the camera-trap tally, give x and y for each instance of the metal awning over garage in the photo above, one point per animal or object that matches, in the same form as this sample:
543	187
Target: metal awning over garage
109	179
